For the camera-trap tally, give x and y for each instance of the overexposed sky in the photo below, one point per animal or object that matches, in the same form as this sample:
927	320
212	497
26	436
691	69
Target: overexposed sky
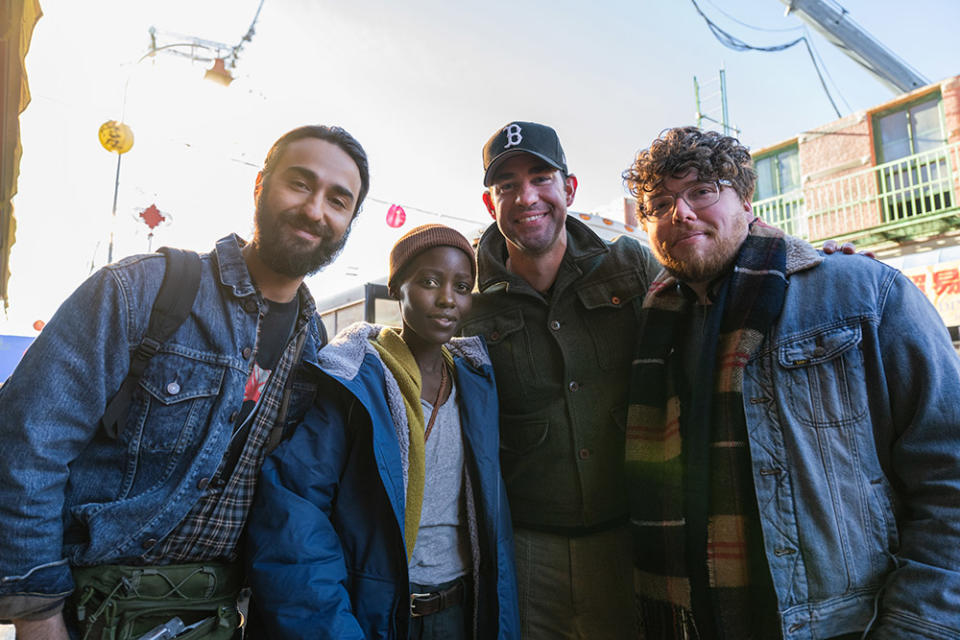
422	84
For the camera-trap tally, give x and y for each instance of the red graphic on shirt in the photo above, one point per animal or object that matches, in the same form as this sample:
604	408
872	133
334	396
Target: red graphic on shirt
255	384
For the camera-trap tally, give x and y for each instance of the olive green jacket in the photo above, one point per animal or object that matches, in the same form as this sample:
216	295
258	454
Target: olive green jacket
562	363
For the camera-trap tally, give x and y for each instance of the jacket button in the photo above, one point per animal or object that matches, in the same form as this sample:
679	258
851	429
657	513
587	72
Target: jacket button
202	483
574	385
615	299
149	542
247	351
249	305
818	352
584	453
495	335
173	388
555	325
233	417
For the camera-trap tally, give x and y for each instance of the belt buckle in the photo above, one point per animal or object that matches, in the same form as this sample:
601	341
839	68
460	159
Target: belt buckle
413	603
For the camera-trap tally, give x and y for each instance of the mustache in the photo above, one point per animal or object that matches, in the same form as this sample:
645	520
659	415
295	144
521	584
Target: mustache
304	223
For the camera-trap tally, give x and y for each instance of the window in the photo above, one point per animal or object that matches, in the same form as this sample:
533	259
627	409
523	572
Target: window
914	179
915	129
778	199
777	174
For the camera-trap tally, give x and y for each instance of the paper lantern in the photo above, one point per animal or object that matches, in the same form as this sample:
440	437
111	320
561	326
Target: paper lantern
116	136
396	216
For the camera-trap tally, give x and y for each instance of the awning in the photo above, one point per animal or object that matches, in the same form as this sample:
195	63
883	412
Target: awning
17	19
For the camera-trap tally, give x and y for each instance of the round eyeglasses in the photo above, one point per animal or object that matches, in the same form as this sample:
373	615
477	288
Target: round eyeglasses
697	196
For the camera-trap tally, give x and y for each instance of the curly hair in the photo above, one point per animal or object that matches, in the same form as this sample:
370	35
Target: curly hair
678	150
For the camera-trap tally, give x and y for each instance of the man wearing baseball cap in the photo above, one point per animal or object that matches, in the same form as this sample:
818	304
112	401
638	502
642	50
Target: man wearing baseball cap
559	309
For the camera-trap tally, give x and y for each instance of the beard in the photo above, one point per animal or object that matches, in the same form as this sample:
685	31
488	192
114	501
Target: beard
287	254
705	267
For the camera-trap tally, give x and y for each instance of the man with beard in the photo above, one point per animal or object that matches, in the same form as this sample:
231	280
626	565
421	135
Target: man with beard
142	526
559	309
793	440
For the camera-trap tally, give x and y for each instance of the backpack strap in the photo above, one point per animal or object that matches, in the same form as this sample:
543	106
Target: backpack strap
181	281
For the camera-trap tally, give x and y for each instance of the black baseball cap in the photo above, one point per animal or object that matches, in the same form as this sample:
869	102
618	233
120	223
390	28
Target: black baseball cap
522	137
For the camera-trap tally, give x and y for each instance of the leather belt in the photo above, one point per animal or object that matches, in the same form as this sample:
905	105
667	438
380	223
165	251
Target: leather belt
424	604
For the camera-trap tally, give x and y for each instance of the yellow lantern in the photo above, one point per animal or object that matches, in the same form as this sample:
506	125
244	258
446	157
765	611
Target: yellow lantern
116	136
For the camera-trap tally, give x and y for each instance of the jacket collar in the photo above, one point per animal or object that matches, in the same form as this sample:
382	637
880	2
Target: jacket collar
344	354
800	255
235	275
582	244
233	268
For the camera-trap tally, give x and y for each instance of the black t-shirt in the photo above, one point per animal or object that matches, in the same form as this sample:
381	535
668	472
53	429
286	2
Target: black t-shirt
278	324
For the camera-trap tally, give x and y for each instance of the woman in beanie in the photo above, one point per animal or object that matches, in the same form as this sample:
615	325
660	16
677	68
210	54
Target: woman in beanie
384	515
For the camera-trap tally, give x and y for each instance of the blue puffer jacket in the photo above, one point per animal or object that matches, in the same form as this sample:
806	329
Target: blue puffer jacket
326	551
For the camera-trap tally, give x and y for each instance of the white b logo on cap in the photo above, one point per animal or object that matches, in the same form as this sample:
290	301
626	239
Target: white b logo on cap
513	135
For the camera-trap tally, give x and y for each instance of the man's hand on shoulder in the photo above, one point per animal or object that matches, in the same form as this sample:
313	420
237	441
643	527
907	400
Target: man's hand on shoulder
52	628
847	248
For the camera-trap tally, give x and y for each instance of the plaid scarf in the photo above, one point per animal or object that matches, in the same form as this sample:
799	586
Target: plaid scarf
688	463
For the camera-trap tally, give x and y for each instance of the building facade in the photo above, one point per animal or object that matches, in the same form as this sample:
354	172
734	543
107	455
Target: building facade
887	179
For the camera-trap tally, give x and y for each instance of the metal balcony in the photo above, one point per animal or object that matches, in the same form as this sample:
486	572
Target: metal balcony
914	196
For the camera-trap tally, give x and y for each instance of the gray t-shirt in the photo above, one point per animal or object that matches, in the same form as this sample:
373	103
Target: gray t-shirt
442	552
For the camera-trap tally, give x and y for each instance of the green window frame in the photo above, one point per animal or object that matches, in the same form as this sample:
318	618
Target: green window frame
914	179
778	172
778	189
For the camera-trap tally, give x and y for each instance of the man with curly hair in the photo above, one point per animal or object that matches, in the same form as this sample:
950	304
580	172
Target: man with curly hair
793	439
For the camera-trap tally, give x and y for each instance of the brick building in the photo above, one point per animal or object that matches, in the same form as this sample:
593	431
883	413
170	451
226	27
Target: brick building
887	178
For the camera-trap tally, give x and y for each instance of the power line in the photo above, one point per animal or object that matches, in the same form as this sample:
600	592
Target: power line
823	83
732	42
836	87
748	26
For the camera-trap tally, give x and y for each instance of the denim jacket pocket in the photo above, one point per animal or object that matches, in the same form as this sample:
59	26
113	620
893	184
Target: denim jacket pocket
821	367
179	395
609	303
169	412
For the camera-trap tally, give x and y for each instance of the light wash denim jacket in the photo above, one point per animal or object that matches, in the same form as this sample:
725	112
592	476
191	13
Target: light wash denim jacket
69	495
853	413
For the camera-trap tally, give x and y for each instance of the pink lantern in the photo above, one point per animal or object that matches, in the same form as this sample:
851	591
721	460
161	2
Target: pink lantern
396	216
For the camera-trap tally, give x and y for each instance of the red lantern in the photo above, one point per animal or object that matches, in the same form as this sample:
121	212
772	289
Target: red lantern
396	216
152	217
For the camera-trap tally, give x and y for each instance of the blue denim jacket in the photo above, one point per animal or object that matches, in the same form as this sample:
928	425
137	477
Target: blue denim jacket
853	413
69	495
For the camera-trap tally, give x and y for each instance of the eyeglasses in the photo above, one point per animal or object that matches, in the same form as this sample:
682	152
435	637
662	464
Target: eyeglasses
697	196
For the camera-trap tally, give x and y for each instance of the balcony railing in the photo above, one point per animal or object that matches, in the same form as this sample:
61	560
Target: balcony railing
882	202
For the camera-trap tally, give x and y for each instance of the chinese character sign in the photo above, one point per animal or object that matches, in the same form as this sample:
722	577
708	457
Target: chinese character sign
941	284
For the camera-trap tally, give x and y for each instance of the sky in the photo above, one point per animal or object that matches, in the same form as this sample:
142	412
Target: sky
422	84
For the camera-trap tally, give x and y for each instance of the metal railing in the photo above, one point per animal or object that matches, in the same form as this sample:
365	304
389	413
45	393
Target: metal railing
784	211
894	194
